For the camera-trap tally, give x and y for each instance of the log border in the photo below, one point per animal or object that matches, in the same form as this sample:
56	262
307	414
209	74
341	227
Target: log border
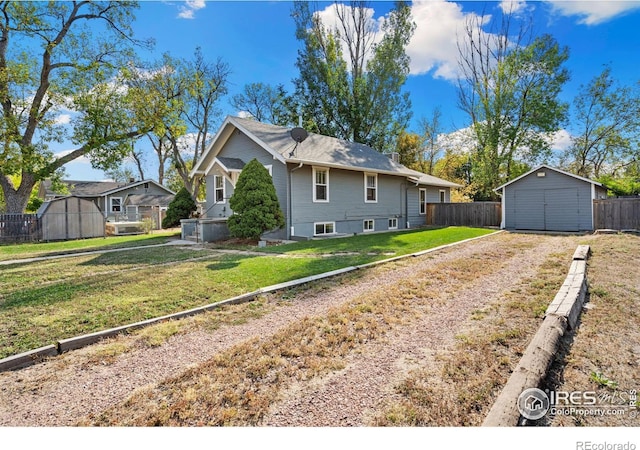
561	315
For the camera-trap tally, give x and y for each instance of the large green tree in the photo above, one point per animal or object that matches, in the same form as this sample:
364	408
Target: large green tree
265	103
191	89
65	56
350	85
509	87
255	204
607	118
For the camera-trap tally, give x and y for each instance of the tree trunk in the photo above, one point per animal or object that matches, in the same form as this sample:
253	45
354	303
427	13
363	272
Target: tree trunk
16	199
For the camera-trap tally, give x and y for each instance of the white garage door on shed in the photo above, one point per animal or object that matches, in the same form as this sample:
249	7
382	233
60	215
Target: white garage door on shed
548	199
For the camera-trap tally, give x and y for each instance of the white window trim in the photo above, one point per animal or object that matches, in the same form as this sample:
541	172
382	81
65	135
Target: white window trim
215	188
375	175
422	207
111	199
333	224
443	198
373	225
313	177
394	227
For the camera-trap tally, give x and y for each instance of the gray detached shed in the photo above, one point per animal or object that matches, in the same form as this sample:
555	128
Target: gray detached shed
549	199
70	218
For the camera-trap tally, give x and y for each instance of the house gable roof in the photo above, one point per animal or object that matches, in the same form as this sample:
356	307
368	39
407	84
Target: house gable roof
149	199
99	188
544	166
316	149
231	164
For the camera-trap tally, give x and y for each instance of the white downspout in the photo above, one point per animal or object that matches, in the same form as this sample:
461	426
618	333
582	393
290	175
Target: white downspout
291	228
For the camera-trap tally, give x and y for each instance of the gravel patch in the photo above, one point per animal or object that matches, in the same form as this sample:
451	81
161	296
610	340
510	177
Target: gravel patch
351	396
66	389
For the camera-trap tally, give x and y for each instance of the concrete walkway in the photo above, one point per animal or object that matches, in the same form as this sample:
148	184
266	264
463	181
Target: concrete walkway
93	252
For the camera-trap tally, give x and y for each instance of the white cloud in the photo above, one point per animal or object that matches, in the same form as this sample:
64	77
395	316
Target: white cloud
188	10
592	12
331	21
63	119
513	6
462	140
434	45
561	140
187	143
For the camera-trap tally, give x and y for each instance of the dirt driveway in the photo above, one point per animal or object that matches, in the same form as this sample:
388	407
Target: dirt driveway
375	348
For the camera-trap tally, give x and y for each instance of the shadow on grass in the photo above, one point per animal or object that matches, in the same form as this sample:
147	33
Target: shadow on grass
54	293
39	249
142	255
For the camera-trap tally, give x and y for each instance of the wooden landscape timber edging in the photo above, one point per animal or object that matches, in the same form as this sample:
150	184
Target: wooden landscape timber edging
561	315
36	356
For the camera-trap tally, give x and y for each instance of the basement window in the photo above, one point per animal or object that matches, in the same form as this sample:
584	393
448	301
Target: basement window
324	228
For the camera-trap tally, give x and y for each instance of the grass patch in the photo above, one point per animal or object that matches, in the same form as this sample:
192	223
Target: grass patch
238	386
468	377
32	250
388	244
46	301
605	350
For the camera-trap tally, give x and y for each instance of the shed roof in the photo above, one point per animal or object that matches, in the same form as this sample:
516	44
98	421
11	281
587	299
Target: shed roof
544	166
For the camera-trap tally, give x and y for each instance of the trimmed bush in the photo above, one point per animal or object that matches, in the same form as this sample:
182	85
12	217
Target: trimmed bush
255	205
180	207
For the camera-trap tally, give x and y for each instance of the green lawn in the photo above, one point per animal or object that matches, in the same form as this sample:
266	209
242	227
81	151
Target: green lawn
31	250
42	302
399	243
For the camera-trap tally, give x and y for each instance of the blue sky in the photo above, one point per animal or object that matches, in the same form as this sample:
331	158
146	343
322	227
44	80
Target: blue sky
257	40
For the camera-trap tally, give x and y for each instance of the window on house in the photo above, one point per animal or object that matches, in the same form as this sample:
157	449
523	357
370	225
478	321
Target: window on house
218	187
443	196
320	185
368	225
423	201
322	228
116	204
132	212
393	223
370	188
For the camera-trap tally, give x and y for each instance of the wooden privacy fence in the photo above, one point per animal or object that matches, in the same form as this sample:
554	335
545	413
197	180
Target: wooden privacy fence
19	228
476	214
616	214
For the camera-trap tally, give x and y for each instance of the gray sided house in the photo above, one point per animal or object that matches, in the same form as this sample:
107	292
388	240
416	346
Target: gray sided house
119	202
325	186
549	199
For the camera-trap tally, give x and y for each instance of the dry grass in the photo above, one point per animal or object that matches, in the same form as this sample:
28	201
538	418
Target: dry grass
238	386
467	378
604	352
